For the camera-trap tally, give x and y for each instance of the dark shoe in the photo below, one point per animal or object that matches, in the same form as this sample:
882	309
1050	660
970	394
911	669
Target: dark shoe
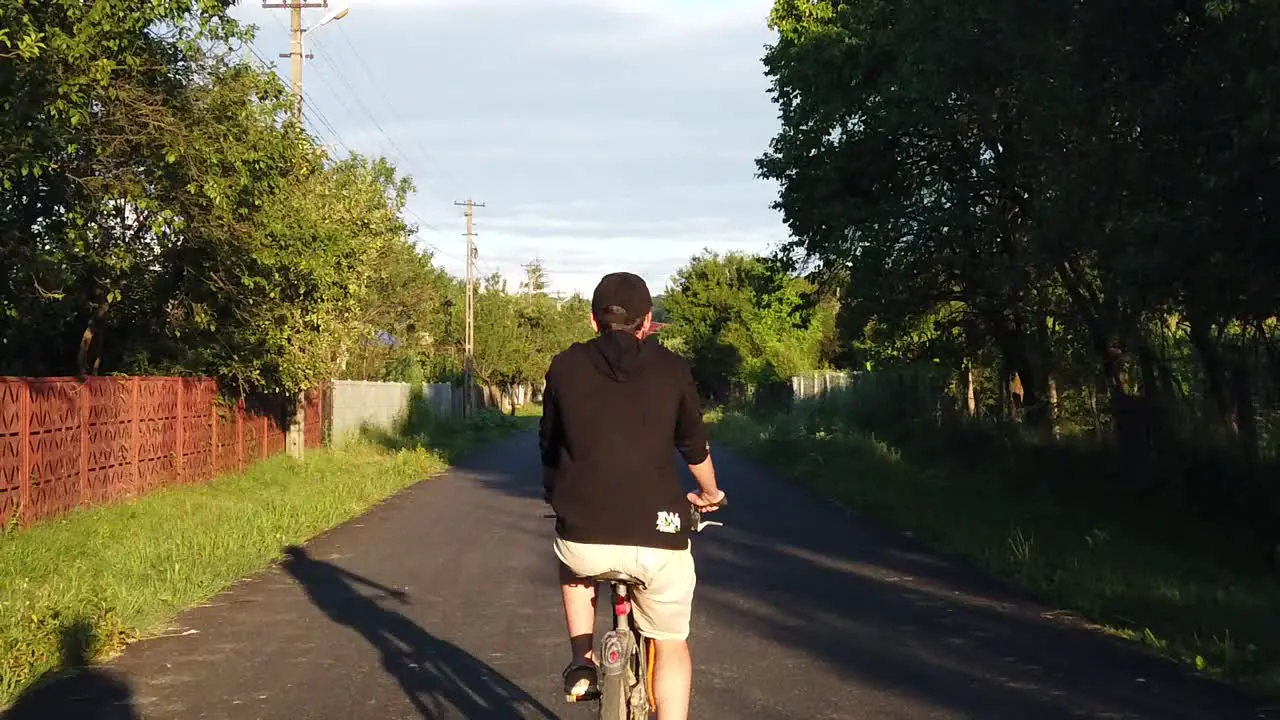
580	681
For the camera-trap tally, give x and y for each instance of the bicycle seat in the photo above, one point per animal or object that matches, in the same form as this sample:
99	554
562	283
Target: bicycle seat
619	577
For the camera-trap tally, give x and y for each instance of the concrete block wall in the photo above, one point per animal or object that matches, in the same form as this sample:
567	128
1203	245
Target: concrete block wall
356	404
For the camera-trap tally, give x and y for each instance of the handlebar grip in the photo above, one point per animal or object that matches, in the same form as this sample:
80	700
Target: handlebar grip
724	501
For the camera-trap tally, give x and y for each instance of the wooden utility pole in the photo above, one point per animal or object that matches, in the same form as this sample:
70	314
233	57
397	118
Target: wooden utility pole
295	54
469	343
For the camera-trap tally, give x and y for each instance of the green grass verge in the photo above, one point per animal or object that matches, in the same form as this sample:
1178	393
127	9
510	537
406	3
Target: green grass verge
1143	574
82	586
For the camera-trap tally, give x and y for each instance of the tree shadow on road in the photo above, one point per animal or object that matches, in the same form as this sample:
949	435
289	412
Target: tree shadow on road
882	613
439	678
78	691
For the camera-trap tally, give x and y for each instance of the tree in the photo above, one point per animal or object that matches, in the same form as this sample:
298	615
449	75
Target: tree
164	212
517	335
744	322
660	308
1085	217
92	94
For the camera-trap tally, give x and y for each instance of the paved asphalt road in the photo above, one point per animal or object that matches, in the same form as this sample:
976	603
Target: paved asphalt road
801	612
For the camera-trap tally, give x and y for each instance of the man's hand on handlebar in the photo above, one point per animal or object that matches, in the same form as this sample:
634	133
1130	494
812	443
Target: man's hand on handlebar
706	503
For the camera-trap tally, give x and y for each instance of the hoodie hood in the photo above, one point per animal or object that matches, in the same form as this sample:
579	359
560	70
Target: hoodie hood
619	355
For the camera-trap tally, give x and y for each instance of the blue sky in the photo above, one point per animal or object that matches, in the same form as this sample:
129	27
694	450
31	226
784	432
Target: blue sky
602	134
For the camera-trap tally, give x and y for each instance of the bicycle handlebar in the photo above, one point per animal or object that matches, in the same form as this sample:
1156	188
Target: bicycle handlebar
694	512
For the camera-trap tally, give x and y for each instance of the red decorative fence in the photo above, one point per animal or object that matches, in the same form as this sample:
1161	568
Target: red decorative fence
67	443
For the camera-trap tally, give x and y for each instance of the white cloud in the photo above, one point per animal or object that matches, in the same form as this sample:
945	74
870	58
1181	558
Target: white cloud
577	253
673	13
603	134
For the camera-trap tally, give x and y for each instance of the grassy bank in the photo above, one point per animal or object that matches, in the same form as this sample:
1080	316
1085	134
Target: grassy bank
1149	573
87	583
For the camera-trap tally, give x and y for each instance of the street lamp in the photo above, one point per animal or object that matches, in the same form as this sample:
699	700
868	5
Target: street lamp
335	15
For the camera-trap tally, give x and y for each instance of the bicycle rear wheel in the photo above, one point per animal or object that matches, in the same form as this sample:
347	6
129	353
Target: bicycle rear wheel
637	684
616	652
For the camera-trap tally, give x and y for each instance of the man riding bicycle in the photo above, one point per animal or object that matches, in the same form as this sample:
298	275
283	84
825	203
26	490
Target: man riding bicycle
613	408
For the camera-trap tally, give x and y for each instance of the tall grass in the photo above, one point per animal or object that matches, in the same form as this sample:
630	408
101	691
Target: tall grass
1074	523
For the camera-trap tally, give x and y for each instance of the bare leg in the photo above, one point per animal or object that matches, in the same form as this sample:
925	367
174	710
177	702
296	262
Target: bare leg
579	613
672	678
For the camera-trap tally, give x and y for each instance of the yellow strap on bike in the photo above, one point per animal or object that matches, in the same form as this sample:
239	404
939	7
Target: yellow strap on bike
650	651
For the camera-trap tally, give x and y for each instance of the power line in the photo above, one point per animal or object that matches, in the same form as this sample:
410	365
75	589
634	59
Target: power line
351	91
312	109
396	150
373	81
354	94
324	121
296	33
309	109
423	155
421	222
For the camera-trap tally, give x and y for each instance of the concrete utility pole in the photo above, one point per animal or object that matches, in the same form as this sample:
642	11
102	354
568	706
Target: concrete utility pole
535	277
469	343
296	32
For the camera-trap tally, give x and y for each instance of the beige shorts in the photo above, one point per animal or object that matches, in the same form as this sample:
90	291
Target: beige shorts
663	607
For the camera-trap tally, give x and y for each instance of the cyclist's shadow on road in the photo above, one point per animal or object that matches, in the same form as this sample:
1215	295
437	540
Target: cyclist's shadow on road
439	678
78	691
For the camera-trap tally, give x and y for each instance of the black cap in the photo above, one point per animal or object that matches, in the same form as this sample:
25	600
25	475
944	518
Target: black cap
621	291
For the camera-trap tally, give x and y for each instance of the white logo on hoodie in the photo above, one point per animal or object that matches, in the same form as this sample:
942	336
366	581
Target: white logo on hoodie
668	522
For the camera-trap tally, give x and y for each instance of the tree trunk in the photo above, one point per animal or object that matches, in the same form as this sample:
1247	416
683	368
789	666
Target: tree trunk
1093	406
89	354
86	344
1246	407
1028	377
1125	414
1129	425
1005	397
1101	320
1017	398
1215	373
1153	404
1271	362
971	399
1053	406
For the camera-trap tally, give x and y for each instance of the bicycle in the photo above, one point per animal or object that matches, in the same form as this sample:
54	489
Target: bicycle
624	656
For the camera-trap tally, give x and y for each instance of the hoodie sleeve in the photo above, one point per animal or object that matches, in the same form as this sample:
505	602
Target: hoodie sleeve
691	434
549	429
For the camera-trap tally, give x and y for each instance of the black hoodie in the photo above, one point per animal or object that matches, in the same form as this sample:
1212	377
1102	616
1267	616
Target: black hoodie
613	410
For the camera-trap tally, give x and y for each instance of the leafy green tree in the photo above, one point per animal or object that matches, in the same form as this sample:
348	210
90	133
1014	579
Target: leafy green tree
1051	198
744	322
163	212
517	335
92	96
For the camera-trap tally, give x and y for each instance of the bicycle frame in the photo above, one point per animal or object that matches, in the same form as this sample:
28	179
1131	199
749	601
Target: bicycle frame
625	662
625	657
